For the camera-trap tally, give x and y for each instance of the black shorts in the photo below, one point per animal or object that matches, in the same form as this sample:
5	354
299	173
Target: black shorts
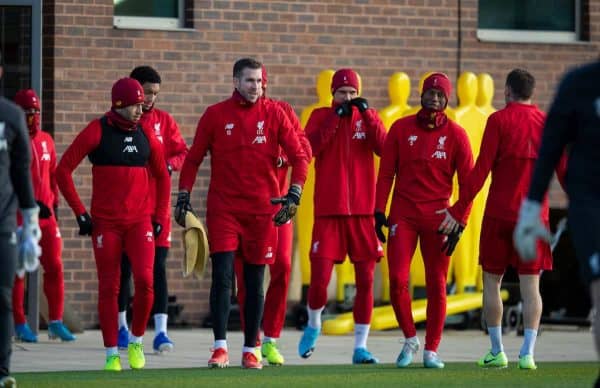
584	228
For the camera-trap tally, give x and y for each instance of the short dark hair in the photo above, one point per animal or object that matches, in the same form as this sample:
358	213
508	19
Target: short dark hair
144	74
521	83
244	63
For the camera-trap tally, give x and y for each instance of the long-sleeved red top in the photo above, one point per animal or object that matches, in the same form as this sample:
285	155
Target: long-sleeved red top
343	148
43	169
173	146
509	149
423	162
291	115
243	140
121	165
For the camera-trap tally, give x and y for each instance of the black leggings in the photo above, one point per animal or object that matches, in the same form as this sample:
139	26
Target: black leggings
161	293
220	296
254	276
8	264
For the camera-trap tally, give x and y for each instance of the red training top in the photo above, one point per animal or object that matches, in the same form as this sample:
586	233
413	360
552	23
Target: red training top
509	149
423	162
344	163
121	164
243	140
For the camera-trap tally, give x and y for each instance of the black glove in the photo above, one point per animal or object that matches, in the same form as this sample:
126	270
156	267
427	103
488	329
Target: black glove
380	222
56	213
344	109
44	211
85	224
156	228
450	244
290	203
182	207
169	169
361	103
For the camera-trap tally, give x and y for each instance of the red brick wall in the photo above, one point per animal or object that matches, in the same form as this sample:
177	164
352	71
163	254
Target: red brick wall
84	55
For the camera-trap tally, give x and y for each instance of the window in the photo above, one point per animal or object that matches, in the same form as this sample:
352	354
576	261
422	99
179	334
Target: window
548	21
149	14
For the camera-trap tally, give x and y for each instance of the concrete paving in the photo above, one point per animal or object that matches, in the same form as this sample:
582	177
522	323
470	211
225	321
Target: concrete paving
560	343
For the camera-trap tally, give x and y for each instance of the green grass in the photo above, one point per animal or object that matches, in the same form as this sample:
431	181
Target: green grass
549	374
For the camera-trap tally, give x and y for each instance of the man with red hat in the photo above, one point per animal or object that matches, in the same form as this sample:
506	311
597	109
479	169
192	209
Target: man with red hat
43	168
174	148
344	139
275	305
422	152
123	218
243	134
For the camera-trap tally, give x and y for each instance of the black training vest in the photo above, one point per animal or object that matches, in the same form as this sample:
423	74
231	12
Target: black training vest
120	148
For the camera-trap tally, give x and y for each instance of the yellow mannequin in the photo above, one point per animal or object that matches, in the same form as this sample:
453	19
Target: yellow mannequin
472	119
485	93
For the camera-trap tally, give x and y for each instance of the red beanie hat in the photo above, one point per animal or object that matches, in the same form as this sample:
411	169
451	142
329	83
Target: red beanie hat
438	81
126	92
344	77
27	99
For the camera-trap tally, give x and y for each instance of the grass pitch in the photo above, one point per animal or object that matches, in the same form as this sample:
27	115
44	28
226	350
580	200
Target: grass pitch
548	374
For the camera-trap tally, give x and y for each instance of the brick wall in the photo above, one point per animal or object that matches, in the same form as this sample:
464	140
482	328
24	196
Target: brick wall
84	55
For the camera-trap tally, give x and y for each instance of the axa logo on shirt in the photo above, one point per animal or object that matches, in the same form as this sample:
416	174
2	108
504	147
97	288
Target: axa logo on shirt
229	128
157	132
260	133
412	140
129	148
393	230
45	153
439	155
3	142
359	133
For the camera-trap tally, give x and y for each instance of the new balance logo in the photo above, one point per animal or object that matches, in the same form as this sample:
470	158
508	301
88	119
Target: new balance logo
99	243
149	236
229	128
315	247
412	139
128	139
269	254
393	230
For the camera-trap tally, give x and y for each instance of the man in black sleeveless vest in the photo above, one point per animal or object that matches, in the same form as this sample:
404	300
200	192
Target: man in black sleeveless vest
120	151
